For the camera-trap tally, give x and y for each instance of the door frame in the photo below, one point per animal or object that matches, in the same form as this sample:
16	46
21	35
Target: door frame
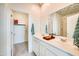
29	32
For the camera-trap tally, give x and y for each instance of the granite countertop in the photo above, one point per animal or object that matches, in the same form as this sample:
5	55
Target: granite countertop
63	45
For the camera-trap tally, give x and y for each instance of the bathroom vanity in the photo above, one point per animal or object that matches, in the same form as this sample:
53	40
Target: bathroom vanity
54	47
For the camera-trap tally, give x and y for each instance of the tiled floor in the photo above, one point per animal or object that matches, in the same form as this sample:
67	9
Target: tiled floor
21	49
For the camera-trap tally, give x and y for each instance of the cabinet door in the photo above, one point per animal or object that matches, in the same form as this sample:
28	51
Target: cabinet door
36	47
49	53
42	50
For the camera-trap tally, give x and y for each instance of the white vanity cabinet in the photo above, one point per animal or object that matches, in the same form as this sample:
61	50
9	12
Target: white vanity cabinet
41	48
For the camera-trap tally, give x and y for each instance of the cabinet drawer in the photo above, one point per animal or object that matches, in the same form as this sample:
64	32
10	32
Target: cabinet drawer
49	53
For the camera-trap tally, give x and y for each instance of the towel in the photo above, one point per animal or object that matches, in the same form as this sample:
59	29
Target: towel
76	34
32	29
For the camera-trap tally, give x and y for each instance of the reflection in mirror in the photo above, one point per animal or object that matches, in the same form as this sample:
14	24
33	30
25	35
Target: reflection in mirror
76	34
57	24
63	21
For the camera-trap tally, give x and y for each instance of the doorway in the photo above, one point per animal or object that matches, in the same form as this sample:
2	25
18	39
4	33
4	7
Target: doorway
20	33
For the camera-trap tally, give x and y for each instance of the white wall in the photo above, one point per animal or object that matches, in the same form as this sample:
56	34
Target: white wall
71	24
35	13
4	30
43	22
34	18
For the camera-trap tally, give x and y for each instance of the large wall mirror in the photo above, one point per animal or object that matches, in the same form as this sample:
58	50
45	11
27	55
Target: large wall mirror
63	22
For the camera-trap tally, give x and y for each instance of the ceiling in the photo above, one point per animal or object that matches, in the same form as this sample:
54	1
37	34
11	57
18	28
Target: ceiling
71	9
40	4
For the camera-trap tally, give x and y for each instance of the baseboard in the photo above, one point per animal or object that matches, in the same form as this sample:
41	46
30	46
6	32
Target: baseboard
21	42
